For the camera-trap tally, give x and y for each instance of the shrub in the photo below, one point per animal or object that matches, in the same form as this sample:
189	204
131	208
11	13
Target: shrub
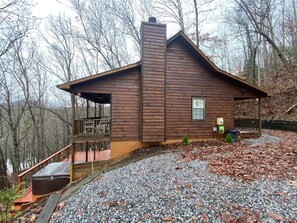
186	140
7	199
229	138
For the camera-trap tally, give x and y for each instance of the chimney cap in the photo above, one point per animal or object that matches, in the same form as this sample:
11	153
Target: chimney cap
153	20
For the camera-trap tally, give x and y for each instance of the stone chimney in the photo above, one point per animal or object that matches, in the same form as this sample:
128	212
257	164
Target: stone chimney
153	69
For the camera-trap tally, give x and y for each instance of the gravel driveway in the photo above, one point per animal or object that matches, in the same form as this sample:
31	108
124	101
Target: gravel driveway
167	188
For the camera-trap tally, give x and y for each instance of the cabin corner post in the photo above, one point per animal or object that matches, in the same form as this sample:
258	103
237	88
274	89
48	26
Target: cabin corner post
260	116
72	138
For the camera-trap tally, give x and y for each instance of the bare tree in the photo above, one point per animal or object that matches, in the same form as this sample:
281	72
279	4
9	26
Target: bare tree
3	167
61	41
102	32
173	11
15	22
36	111
14	84
202	7
125	11
258	13
251	41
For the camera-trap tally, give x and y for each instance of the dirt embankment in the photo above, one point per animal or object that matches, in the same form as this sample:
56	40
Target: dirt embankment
282	105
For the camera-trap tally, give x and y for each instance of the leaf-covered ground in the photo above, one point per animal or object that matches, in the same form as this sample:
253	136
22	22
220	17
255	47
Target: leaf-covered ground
248	162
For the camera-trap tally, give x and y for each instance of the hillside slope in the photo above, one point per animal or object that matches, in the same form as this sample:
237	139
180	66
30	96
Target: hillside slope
281	106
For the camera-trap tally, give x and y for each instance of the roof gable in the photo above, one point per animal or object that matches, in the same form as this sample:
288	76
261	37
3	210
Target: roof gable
180	36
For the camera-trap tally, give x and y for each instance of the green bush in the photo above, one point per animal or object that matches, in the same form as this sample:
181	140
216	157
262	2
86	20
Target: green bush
7	199
186	140
229	138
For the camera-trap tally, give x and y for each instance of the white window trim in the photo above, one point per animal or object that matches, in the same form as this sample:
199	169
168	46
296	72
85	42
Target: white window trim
192	105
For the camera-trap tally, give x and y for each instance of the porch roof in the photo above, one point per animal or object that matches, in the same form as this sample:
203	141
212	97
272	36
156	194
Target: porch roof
67	86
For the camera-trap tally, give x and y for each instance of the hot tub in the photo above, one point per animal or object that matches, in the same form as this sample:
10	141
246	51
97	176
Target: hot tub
51	178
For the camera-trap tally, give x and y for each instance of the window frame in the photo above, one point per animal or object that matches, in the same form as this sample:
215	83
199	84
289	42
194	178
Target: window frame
204	104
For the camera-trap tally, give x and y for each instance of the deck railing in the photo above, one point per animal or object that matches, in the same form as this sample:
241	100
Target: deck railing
92	126
58	156
247	123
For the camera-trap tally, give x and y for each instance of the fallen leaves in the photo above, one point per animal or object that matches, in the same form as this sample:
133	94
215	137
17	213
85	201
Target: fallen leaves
204	218
245	163
238	214
292	183
117	203
166	219
275	216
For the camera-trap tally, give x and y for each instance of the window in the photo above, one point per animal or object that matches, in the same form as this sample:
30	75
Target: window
198	108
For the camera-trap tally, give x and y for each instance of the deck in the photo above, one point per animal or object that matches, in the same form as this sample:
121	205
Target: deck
91	130
247	127
80	156
249	134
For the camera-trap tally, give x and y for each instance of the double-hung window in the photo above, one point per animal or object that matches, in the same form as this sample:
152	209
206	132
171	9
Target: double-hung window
198	108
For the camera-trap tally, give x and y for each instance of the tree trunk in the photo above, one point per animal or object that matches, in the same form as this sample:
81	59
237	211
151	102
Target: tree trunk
196	23
16	161
3	172
266	36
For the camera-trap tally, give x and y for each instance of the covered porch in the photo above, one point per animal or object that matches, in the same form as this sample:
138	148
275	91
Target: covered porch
91	124
247	117
91	133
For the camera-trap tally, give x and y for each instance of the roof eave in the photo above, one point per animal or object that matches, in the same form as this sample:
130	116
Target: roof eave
67	86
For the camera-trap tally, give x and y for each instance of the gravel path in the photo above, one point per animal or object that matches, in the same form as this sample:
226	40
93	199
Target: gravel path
168	188
265	138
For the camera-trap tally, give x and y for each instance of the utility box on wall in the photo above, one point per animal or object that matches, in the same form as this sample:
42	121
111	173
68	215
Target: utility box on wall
220	121
220	124
221	129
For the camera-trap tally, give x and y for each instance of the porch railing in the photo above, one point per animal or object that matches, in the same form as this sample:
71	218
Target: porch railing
92	126
58	156
247	123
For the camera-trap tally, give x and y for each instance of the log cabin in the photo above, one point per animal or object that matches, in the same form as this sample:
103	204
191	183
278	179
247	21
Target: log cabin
175	89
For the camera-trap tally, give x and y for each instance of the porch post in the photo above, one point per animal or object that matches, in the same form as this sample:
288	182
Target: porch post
88	108
95	109
73	127
87	151
72	162
260	117
87	143
73	133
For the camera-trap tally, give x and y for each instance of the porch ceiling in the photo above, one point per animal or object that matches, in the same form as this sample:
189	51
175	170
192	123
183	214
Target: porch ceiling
244	98
96	97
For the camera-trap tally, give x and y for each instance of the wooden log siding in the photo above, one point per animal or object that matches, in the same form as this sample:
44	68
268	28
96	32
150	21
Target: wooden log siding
153	81
125	101
186	77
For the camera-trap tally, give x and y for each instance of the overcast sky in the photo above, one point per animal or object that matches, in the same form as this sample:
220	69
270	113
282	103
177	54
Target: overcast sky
45	7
